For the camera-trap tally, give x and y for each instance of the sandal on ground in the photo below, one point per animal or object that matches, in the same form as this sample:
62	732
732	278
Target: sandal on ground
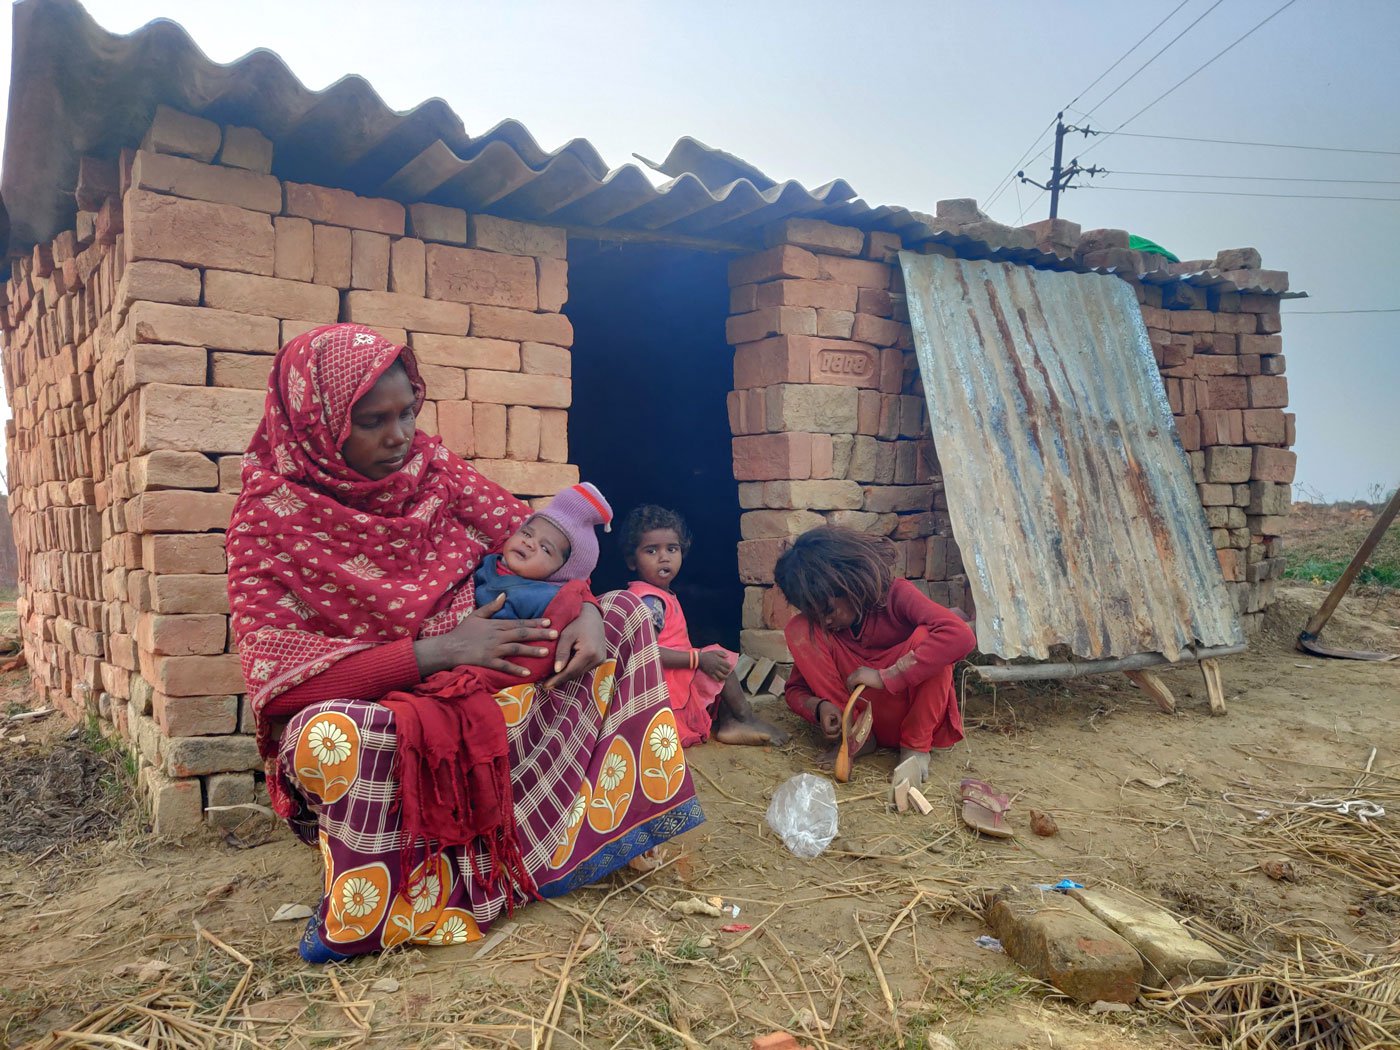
984	808
857	723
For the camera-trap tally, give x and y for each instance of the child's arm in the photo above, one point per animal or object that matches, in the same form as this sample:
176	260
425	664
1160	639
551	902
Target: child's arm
808	705
949	637
671	659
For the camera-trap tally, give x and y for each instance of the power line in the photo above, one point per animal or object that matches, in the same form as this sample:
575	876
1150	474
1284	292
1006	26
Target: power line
1383	310
1238	40
1240	193
1008	178
1254	178
1267	145
1158	55
1029	206
1128	52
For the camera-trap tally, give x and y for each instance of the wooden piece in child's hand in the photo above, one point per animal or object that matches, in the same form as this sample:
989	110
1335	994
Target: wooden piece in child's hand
901	796
920	803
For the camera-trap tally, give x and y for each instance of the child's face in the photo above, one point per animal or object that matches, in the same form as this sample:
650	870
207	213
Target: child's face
840	615
657	558
537	550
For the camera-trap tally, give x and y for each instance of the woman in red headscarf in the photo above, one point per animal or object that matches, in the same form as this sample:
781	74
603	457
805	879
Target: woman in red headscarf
351	553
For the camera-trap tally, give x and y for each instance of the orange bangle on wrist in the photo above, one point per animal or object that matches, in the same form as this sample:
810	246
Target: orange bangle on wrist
694	659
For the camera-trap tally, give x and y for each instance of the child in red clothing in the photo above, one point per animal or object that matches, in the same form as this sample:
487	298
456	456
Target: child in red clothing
858	625
655	542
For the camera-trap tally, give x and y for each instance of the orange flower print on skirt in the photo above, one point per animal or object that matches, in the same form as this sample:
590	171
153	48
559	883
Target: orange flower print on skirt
604	685
327	755
615	788
457	927
663	760
572	826
515	703
358	900
418	907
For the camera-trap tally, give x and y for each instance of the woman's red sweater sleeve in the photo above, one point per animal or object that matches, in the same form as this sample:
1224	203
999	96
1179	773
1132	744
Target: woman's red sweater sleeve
366	675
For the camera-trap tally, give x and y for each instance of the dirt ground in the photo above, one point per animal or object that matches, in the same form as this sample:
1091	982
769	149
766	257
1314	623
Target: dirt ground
1137	795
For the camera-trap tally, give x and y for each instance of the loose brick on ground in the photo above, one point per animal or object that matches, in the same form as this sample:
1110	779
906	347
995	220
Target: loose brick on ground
1058	940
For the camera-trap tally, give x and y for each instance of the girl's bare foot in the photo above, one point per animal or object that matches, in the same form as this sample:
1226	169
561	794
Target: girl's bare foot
751	731
827	759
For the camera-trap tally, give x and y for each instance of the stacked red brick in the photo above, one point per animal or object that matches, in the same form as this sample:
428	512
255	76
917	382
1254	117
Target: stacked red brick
828	414
137	355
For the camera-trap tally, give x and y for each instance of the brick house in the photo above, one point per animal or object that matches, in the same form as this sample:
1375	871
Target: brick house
731	346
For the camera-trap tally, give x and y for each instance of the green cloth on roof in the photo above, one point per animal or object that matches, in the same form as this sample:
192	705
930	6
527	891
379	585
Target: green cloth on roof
1142	244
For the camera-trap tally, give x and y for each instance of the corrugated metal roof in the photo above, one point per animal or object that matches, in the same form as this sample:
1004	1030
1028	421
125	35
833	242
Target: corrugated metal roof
77	89
1071	498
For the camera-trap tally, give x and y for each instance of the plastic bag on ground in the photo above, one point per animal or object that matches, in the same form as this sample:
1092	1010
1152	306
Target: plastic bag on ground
803	814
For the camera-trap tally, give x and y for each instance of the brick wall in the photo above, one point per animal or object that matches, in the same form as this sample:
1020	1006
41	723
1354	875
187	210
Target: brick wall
828	407
828	414
136	356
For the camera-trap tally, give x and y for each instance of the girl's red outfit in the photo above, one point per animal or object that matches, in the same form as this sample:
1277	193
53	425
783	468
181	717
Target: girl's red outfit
693	693
913	642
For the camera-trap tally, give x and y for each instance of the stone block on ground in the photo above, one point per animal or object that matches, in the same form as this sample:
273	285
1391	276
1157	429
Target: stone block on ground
1167	948
177	806
1060	941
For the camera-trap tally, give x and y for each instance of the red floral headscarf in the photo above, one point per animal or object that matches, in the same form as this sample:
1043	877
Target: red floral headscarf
324	562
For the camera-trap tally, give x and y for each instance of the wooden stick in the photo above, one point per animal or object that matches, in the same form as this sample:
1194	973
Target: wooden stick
689	1041
1154	687
1032	672
1358	561
897	920
1215	689
880	977
242	985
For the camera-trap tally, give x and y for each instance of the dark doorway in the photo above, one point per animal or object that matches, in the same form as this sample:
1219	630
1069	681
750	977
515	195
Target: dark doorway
651	373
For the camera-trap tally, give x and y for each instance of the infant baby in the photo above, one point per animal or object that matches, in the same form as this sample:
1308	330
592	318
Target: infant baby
554	546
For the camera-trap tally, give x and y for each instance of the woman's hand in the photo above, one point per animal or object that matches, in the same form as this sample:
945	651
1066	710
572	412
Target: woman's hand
581	647
483	642
866	676
715	665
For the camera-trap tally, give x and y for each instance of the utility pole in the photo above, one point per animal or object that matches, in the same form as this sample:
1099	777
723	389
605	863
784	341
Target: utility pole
1061	176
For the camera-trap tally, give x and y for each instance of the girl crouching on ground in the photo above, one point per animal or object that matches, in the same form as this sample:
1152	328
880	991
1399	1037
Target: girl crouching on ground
858	625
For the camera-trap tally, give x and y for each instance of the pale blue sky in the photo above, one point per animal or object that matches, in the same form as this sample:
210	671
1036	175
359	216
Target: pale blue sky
913	102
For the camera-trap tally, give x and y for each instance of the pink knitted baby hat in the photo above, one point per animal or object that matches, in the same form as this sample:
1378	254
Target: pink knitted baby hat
577	511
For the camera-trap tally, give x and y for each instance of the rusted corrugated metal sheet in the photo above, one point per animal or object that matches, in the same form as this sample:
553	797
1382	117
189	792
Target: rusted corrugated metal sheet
1071	498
